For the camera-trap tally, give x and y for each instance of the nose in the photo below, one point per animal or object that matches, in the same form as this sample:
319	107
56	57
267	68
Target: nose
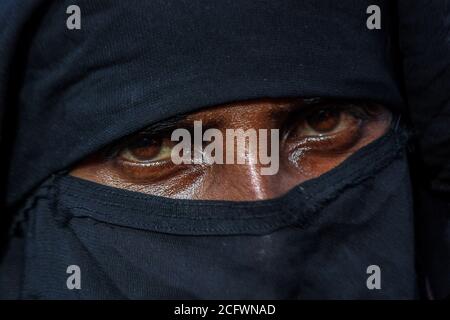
251	168
243	182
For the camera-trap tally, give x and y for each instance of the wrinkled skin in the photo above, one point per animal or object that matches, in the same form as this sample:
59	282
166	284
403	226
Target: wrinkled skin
310	145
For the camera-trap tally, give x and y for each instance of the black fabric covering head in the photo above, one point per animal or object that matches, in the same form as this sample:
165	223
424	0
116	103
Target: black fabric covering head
136	62
65	94
315	242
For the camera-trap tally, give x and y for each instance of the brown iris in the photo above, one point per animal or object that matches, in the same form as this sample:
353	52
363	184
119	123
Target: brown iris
324	120
146	148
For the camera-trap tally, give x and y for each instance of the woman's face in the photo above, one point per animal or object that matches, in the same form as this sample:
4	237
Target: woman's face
314	137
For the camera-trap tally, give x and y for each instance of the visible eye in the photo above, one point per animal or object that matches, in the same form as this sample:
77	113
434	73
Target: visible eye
147	150
326	128
327	121
316	136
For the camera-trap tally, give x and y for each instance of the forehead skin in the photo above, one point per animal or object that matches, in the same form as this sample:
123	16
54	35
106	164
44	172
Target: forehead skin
232	181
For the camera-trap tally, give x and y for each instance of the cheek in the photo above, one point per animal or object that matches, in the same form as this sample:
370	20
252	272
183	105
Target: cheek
181	184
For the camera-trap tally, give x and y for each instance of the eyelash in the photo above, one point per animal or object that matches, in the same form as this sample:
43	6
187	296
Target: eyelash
361	112
113	151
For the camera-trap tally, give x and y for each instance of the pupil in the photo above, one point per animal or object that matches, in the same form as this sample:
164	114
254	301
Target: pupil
146	148
324	120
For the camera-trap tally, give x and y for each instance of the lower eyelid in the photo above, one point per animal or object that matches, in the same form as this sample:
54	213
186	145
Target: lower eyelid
149	164
330	141
146	172
126	153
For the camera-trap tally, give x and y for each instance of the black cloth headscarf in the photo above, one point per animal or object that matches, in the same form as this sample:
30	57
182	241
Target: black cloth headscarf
67	93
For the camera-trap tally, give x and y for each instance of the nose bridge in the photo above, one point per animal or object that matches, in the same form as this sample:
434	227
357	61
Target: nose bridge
241	175
245	181
254	114
242	153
